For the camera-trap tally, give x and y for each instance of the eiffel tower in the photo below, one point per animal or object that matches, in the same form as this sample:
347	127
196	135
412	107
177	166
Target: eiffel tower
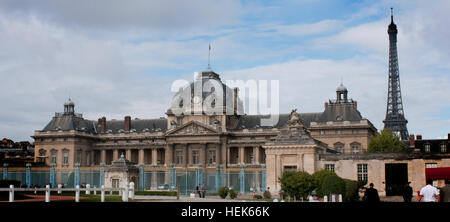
395	118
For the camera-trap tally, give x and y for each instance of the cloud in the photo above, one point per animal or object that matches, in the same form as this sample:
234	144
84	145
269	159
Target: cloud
142	14
324	26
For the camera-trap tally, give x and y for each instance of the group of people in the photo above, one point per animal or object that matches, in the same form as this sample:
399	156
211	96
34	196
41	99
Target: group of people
428	193
201	193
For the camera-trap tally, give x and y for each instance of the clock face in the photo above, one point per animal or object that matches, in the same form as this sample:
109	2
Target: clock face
197	99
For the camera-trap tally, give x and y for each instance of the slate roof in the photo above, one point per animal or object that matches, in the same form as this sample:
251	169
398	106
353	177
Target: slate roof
71	122
138	124
345	110
254	121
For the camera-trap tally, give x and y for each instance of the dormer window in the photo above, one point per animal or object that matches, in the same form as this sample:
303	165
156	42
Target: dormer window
443	148
181	104
427	148
213	103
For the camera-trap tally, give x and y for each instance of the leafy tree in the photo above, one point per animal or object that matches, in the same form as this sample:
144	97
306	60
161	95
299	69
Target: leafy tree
319	177
333	184
387	142
297	184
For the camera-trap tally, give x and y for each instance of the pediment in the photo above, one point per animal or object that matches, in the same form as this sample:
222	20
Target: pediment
193	128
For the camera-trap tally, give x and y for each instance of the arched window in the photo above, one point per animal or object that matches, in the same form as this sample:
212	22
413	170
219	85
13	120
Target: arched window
65	158
339	147
356	147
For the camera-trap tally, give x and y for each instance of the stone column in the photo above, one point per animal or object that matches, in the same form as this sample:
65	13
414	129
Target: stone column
256	155
222	154
115	154
242	154
186	155
103	156
154	156
169	154
203	155
128	154
278	171
141	156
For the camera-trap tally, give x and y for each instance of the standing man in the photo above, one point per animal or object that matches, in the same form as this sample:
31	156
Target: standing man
445	192
429	193
203	190
371	194
407	192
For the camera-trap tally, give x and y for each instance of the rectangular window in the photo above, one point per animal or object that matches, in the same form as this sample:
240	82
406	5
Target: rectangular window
179	156
430	165
115	183
212	157
362	172
53	158
290	168
195	156
66	158
329	167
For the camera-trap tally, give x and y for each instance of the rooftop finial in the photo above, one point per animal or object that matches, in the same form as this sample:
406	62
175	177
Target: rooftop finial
209	56
392	15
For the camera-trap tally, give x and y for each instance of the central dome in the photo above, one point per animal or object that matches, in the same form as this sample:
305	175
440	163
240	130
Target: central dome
207	94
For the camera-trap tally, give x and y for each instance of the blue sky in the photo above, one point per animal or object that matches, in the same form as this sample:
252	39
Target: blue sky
116	59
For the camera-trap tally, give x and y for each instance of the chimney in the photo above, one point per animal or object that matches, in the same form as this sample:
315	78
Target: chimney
103	124
326	105
419	137
127	126
411	140
355	104
235	99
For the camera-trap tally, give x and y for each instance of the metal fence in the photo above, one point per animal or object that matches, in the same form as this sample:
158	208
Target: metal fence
188	181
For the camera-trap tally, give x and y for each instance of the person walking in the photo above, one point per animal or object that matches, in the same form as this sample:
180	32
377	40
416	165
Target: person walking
371	194
203	190
197	190
445	192
407	192
428	193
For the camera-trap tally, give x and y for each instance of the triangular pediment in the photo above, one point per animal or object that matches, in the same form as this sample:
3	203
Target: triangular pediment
192	128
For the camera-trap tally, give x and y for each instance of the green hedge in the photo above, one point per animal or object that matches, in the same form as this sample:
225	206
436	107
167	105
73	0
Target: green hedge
223	192
333	184
319	177
156	193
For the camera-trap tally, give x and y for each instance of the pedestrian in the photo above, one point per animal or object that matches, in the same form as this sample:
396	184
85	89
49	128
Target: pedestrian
445	192
197	190
428	193
203	191
407	192
371	194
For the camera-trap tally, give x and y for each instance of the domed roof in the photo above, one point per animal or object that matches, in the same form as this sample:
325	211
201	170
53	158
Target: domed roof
341	88
206	90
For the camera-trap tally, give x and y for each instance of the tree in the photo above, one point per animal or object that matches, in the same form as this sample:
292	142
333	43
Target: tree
333	184
319	177
387	142
297	184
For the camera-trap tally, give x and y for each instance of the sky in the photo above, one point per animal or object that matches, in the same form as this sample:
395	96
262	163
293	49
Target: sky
115	58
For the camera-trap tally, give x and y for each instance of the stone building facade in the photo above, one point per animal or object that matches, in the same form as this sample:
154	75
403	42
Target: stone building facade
208	129
189	140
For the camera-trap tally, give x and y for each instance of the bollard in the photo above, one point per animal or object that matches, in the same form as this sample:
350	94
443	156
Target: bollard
59	188
47	193
275	200
340	198
11	193
77	193
95	190
333	198
88	189
325	198
103	194
131	191
125	194
310	199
